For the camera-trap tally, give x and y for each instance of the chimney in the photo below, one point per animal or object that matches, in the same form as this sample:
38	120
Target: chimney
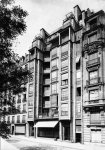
77	12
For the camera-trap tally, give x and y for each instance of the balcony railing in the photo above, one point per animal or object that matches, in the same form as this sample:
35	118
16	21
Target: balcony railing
93	62
96	102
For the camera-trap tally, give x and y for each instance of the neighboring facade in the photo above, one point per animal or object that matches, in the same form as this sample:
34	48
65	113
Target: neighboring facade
65	96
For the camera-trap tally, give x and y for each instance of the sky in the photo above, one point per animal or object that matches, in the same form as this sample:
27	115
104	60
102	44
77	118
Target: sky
48	14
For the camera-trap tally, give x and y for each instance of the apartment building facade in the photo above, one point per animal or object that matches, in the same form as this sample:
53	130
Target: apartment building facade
66	93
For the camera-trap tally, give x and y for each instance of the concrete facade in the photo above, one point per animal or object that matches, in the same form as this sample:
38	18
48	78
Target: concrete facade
65	96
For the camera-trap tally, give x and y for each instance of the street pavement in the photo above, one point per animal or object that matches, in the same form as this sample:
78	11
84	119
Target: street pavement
31	143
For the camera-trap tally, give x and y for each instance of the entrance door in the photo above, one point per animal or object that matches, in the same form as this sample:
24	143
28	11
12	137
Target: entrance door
96	136
12	130
67	133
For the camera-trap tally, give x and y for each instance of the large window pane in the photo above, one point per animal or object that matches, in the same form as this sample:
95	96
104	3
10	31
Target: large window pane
94	94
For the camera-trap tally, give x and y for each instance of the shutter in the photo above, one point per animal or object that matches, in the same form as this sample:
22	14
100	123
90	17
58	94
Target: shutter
20	129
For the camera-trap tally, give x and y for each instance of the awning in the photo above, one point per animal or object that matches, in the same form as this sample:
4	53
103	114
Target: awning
46	124
78	58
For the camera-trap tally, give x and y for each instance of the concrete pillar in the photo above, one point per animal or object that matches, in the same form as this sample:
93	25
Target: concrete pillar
27	129
60	130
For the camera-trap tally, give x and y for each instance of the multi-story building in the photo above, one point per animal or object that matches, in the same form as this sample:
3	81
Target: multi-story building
66	93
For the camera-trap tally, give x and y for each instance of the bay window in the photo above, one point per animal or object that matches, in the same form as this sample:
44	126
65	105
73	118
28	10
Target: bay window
94	94
64	78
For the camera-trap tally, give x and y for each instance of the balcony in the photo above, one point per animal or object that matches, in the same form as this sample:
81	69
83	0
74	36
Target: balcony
46	82
47	59
54	36
92	103
46	71
93	82
93	62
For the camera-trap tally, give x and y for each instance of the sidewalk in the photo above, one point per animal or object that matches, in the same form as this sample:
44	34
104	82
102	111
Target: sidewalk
65	144
4	145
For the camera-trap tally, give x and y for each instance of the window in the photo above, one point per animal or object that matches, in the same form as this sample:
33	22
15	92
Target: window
64	51
54	64
93	56
24	108
13	119
93	75
46	91
64	78
94	94
64	64
24	97
31	88
78	75
23	118
92	38
54	88
30	101
65	36
18	119
54	76
54	53
30	113
18	108
54	100
19	99
64	94
64	109
78	93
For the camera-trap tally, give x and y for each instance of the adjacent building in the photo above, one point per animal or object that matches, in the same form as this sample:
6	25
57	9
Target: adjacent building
65	96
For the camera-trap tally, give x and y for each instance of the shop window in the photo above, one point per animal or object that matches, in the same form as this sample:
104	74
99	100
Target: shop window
64	78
